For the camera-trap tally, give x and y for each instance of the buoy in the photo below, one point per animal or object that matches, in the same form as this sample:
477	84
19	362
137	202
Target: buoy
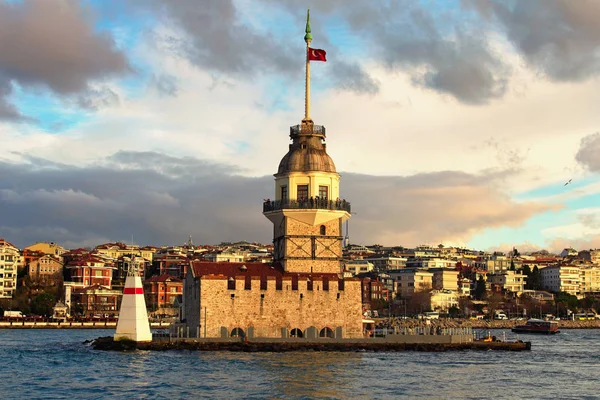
133	321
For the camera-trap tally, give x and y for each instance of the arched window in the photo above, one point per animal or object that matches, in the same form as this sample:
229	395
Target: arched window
296	333
238	332
323	230
326	333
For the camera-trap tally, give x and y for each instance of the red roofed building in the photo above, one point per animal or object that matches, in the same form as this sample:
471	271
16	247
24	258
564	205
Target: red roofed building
90	270
162	291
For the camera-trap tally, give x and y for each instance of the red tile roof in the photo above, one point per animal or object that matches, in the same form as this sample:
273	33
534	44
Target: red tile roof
163	278
228	269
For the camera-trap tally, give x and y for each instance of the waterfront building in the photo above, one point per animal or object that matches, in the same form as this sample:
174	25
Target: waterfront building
10	258
162	291
561	278
443	300
303	293
90	270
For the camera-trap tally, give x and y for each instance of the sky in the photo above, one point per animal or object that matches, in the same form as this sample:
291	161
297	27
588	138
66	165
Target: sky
450	122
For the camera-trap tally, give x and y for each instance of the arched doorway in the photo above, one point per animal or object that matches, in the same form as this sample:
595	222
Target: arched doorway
237	333
296	333
326	333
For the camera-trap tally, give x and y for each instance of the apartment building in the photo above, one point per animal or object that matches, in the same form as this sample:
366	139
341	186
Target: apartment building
429	263
509	281
561	278
9	262
45	268
412	280
589	279
359	266
444	278
387	263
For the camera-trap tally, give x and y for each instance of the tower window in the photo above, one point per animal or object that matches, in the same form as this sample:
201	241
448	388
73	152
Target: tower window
323	192
323	230
284	193
302	192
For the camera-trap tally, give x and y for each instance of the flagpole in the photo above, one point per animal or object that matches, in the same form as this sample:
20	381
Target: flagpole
307	39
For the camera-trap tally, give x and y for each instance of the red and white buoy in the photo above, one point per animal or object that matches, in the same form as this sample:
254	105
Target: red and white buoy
133	321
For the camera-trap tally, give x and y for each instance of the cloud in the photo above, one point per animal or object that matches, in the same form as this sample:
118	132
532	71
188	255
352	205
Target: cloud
54	45
588	154
443	52
220	37
162	199
560	38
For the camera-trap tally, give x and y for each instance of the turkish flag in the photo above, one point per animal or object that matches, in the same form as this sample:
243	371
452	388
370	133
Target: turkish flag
316	55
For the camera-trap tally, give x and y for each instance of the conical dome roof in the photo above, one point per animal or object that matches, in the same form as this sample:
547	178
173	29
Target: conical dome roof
307	151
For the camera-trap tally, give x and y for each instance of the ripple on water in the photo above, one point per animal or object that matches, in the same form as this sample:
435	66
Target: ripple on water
57	364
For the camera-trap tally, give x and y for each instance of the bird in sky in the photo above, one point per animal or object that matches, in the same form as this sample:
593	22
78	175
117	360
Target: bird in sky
569	181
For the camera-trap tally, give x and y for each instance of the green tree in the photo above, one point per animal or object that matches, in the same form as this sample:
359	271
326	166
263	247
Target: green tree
42	304
512	265
535	279
480	290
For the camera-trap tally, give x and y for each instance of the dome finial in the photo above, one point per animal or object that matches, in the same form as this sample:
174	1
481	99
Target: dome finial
308	36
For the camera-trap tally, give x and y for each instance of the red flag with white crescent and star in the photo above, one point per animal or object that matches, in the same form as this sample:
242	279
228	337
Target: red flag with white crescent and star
316	55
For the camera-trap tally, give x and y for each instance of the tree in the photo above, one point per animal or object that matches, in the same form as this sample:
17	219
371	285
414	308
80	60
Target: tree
480	290
535	279
43	304
512	265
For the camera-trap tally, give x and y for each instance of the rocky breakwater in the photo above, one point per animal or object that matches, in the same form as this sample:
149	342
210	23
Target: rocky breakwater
279	345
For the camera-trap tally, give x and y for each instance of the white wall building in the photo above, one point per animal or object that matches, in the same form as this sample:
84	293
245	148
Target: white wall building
359	266
561	278
10	259
589	279
428	263
382	264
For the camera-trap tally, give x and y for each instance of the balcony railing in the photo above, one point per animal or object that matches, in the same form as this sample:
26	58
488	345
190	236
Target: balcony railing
312	203
307	130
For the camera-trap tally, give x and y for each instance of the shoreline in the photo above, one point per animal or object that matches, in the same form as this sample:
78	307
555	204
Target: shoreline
476	324
380	322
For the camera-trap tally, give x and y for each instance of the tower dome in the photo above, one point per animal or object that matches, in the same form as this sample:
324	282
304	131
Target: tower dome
307	151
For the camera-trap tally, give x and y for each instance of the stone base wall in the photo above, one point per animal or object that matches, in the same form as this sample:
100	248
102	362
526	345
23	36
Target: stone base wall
275	313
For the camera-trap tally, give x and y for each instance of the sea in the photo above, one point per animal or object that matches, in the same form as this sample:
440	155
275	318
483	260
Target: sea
58	364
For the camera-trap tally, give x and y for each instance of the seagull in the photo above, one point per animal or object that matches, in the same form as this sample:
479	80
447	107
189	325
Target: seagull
569	181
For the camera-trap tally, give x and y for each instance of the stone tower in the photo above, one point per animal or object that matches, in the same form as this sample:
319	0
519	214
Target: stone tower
307	212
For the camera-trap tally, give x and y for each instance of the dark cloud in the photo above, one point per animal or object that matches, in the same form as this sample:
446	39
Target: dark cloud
167	85
351	77
54	44
8	111
588	154
162	199
217	38
94	99
559	37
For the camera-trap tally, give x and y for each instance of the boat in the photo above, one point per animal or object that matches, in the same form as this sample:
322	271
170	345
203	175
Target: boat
537	326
